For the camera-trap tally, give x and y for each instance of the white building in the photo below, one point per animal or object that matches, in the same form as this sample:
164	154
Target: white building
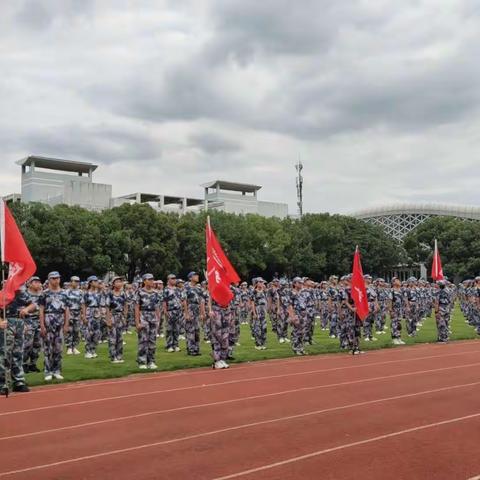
240	198
55	181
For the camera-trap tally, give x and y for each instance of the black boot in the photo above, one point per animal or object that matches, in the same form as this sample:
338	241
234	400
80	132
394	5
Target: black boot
4	391
22	388
33	368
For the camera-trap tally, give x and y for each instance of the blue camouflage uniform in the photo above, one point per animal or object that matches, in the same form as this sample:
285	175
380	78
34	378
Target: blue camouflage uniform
11	341
55	304
32	341
92	300
259	322
195	298
75	298
172	299
148	302
116	304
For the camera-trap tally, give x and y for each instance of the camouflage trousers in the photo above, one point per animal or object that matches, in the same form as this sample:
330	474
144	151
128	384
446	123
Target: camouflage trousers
206	330
442	318
53	343
181	323
11	352
161	324
396	324
103	328
333	324
72	339
243	313
174	318
324	317
282	324
352	327
93	333
32	341
381	318
412	319
342	328
220	327
147	338
234	331
115	336
298	331
309	326
368	325
192	329
130	320
273	315
259	326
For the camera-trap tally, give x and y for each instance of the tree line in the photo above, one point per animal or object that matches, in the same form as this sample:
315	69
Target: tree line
133	239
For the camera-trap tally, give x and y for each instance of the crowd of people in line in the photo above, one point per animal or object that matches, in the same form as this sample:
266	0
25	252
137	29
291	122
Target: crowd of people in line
52	318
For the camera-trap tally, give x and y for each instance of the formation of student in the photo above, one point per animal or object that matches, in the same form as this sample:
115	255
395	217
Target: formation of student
76	316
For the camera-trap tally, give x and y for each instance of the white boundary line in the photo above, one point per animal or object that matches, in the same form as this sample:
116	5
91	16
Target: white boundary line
190	372
228	382
265	422
229	401
347	445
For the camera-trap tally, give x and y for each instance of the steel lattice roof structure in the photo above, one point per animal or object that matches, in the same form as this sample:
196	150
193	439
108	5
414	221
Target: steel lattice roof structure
399	220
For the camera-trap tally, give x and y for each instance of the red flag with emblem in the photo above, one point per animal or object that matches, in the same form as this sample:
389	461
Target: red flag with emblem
220	272
437	270
359	292
14	251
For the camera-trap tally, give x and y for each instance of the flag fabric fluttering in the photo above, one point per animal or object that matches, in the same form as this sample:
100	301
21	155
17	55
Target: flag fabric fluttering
437	270
14	251
220	272
359	292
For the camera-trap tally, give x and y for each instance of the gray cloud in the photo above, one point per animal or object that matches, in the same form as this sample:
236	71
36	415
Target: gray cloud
380	99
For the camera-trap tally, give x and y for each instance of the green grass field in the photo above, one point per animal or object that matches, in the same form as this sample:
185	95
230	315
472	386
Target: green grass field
78	368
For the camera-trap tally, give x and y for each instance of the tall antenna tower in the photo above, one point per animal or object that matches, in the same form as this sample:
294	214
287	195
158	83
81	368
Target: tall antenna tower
299	168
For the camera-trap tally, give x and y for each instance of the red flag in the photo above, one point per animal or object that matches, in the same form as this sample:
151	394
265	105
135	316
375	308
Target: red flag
220	272
14	252
437	270
359	292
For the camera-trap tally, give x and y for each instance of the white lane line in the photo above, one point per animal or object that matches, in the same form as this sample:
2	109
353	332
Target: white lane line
345	446
264	422
228	382
230	401
236	367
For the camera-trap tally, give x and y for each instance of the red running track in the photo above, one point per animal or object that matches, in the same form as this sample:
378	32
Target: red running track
403	413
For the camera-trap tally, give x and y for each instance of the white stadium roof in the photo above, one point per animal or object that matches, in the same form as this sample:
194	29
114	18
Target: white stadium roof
400	219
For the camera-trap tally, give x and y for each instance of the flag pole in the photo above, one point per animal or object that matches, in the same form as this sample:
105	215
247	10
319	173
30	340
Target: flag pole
4	307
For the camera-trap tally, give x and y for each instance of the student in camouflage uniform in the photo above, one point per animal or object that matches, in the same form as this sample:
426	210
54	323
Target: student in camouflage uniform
298	315
234	334
32	340
11	342
411	309
335	298
54	322
272	298
220	319
244	307
442	311
117	308
130	299
344	313
174	307
382	297
206	323
259	314
91	316
147	316
195	315
285	304
309	326
102	288
324	306
373	309
161	324
75	298
397	306
183	299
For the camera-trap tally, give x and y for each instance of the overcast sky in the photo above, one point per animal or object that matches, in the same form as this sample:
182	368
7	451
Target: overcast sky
380	99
